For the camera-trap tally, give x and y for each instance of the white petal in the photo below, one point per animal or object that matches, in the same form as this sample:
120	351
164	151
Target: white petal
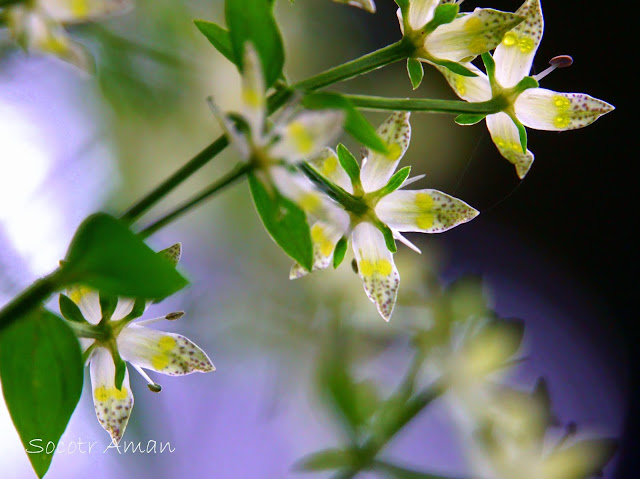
306	135
376	268
421	12
514	55
299	189
254	101
377	168
327	164
469	35
76	11
235	136
367	5
543	109
425	211
123	308
325	236
473	89
164	353
88	302
113	406
506	138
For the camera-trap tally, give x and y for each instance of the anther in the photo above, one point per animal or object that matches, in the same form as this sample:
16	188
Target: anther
561	61
154	387
174	316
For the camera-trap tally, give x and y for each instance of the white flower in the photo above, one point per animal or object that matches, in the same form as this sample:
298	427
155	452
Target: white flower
367	5
135	343
375	206
290	140
38	25
536	108
460	40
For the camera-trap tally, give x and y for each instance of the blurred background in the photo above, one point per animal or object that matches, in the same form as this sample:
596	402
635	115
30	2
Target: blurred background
554	250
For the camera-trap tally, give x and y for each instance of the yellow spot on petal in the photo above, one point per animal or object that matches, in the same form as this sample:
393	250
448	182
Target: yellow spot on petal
384	267
561	121
321	241
252	98
309	202
160	361
101	393
561	102
366	267
461	87
77	293
478	45
119	394
474	23
526	44
424	201
329	166
394	151
301	137
166	343
369	268
510	39
424	221
79	8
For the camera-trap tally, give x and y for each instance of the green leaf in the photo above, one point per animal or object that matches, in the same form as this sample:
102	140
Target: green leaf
285	222
469	118
416	72
326	460
253	21
219	38
41	372
355	123
107	257
444	13
339	252
396	180
349	163
70	310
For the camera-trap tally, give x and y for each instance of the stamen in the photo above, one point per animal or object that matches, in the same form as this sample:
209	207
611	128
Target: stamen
406	242
409	181
154	387
170	317
561	61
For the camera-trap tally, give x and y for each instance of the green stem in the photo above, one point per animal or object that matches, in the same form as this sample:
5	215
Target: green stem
238	172
374	444
455	107
379	58
34	295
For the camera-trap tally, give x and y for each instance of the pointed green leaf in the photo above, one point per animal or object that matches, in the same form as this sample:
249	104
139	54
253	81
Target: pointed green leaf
349	163
416	72
70	310
355	123
469	118
285	222
219	38
339	252
396	181
106	256
326	460
41	371
253	21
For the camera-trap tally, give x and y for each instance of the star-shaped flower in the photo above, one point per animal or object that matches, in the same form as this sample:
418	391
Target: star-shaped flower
294	137
116	339
372	210
442	37
39	25
536	108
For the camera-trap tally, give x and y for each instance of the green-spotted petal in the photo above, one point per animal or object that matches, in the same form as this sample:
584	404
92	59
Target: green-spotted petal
376	268
113	406
325	236
306	135
514	55
543	109
164	353
473	89
425	211
254	100
470	35
377	168
367	5
505	136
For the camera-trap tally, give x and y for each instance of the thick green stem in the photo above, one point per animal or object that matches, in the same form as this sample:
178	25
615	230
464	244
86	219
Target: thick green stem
34	295
454	107
377	59
205	194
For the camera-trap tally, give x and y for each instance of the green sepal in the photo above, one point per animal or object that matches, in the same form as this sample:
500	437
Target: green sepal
350	165
443	14
522	133
253	21
389	240
525	84
395	181
339	252
469	118
218	37
285	222
121	370
454	67
355	123
70	310
326	460
490	66
108	303
415	71
334	191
